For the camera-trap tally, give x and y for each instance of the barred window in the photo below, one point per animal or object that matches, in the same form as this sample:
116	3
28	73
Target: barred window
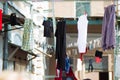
82	7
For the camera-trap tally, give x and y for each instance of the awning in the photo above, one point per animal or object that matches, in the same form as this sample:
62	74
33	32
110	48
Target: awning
15	52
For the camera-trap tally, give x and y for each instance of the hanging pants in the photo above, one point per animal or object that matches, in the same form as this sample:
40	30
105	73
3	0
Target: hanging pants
90	68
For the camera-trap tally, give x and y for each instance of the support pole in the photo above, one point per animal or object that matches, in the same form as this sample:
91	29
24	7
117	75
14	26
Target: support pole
54	22
5	39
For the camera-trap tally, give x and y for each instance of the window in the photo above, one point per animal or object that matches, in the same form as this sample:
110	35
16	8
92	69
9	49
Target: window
82	7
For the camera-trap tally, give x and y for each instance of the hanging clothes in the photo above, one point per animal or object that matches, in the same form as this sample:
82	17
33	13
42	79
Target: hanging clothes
108	28
0	19
90	67
98	56
71	74
13	20
81	54
27	43
82	26
60	75
97	59
61	44
79	64
67	64
48	28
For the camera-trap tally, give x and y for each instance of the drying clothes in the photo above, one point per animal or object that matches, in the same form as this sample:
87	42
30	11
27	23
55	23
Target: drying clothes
71	74
79	64
90	45
97	59
60	75
90	67
13	20
61	44
48	28
108	28
98	54
82	26
0	19
67	64
81	54
27	43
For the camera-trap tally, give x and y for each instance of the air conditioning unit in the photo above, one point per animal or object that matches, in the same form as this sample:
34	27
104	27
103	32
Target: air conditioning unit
16	38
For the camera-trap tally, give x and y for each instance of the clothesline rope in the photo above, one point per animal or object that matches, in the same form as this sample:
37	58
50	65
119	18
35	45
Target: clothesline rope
93	43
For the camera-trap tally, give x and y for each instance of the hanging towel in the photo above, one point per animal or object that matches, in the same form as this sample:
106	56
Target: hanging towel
27	43
108	28
0	19
82	26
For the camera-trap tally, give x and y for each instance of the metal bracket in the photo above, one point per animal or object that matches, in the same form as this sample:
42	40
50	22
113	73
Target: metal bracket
12	54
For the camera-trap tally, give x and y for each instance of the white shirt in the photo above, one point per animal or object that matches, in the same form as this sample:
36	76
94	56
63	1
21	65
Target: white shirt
82	26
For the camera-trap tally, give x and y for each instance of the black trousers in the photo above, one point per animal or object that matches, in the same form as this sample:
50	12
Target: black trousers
90	68
61	45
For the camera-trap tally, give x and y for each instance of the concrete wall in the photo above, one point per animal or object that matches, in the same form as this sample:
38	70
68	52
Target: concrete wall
63	9
97	7
92	76
68	8
23	8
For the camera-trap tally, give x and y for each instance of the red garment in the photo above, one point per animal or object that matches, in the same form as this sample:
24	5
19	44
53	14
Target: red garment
71	74
81	54
60	75
0	19
97	59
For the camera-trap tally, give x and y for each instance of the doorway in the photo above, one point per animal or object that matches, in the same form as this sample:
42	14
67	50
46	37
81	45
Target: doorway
103	76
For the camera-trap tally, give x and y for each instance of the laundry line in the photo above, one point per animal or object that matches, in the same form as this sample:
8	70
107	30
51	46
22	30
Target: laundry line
96	43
